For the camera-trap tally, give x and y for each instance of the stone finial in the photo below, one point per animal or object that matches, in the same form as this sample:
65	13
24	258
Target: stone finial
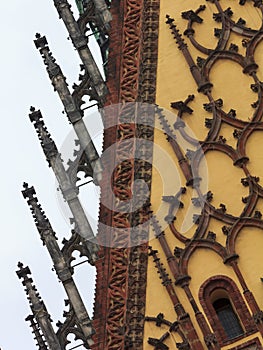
72	106
165	124
47	143
41	221
177	36
53	68
156	226
79	41
33	296
23	271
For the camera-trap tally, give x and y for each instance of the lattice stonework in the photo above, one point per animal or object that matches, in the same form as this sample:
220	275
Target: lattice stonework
207	194
122	270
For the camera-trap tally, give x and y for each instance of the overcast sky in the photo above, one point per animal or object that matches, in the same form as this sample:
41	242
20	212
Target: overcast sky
24	82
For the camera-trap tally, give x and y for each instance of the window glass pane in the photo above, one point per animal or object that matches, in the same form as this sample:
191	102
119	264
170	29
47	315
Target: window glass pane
228	318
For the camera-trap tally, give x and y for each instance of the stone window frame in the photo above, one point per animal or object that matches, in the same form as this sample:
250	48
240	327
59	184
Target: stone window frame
226	284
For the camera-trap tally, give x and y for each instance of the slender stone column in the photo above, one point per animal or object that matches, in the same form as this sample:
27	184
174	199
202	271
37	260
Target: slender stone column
183	317
73	111
80	41
69	191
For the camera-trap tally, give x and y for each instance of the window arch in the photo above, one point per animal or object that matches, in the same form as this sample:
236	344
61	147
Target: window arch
225	309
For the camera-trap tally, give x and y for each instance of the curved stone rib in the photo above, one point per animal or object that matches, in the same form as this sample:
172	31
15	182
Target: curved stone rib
199	244
189	32
236	229
69	326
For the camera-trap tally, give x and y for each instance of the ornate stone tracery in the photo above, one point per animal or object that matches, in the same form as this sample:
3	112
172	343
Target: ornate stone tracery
232	225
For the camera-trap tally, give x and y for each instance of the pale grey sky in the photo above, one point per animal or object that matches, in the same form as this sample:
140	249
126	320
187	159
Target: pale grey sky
24	82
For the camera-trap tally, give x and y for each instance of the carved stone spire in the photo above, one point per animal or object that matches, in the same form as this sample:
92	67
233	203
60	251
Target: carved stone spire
171	137
183	317
73	111
68	190
60	265
36	331
204	86
48	145
44	227
80	41
38	308
166	281
41	221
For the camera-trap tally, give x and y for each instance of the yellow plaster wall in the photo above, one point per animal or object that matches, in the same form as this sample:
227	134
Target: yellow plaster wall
174	83
248	247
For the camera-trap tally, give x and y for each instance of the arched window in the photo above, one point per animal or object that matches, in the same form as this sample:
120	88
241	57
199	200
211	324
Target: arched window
225	309
228	318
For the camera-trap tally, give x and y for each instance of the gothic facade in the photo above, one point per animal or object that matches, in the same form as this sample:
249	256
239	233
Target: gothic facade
178	247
